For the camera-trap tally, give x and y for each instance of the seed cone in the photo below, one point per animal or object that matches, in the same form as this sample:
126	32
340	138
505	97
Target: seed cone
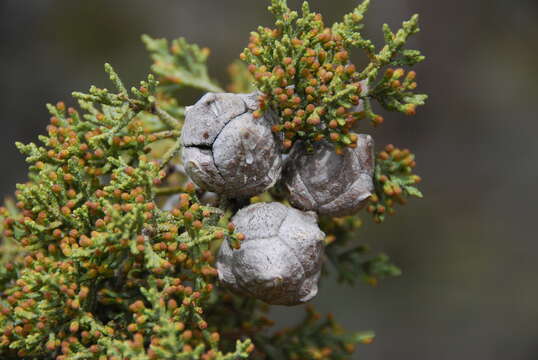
328	183
280	259
226	149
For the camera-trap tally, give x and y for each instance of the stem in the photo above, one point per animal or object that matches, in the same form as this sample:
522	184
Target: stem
167	118
170	190
166	134
170	154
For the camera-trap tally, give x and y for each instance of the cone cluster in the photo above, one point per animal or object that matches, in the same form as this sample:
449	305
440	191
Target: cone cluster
229	150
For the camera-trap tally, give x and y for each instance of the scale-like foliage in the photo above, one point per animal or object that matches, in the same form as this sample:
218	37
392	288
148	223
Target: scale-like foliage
304	71
316	338
394	181
106	274
354	262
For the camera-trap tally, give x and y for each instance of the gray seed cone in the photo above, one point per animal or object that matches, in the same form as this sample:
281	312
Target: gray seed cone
328	183
226	150
279	261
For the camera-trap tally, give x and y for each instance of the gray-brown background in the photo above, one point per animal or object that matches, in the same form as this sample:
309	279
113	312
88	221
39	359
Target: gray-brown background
468	250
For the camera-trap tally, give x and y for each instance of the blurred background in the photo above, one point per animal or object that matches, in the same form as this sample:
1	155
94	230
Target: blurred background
468	250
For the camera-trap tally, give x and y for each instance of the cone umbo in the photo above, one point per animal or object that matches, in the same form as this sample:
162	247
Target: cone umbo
329	183
227	149
280	259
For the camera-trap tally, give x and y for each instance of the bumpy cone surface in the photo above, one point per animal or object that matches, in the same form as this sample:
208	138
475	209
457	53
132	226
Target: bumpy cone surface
226	150
280	259
328	183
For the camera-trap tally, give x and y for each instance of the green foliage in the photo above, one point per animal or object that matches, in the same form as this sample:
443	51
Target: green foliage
106	273
11	254
350	261
304	71
93	267
315	338
180	64
394	181
351	266
241	78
